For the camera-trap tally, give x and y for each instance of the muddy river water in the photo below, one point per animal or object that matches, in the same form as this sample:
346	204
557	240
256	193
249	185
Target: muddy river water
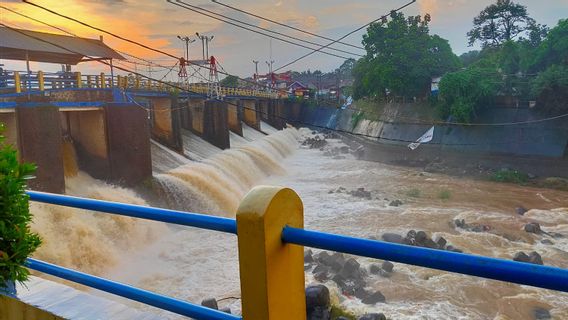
192	264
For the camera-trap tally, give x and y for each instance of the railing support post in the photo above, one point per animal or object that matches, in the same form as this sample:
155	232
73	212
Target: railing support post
40	80
272	272
17	82
79	81
103	81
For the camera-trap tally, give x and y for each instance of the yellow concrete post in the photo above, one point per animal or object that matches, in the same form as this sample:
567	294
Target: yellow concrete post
272	273
103	80
40	80
79	80
137	82
17	82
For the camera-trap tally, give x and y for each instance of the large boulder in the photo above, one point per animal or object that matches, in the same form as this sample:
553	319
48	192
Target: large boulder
374	268
308	256
335	261
321	272
210	303
521	210
393	237
387	266
351	269
541	314
318	303
373	298
532	257
373	316
533	227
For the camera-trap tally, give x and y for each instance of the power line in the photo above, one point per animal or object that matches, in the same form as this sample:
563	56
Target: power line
258	111
261	28
196	10
343	37
135	42
358	110
284	25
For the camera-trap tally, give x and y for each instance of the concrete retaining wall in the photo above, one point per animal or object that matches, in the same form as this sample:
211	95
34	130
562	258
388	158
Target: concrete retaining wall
10	128
13	309
548	139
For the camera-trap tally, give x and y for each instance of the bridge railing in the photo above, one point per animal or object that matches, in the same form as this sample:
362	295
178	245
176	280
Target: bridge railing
18	81
270	233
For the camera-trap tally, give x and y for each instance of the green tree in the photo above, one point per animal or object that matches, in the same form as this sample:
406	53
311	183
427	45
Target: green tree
554	48
500	22
17	242
465	92
551	90
230	81
469	57
402	57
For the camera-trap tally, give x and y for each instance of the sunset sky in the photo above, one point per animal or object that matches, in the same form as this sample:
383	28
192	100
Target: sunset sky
157	23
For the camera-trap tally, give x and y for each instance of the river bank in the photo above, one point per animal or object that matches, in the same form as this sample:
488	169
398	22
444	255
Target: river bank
532	171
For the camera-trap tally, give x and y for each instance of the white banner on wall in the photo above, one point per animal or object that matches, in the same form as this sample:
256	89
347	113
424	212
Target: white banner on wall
426	137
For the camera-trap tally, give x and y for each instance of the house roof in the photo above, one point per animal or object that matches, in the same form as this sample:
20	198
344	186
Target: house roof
297	84
19	44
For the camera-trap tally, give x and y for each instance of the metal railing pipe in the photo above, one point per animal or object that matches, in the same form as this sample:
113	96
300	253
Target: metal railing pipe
136	211
153	299
498	269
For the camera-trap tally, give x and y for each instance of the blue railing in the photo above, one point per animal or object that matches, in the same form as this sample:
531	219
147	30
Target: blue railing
491	268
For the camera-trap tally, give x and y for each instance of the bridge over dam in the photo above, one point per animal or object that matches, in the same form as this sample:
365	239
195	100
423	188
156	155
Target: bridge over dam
113	122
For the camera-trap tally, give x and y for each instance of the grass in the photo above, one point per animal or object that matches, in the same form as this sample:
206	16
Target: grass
444	194
414	193
337	312
510	176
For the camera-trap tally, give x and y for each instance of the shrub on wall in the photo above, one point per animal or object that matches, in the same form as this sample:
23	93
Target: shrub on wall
17	242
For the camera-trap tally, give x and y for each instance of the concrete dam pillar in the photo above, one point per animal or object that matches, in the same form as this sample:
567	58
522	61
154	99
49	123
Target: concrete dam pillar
112	143
262	108
195	107
251	114
215	124
233	116
39	141
166	122
129	150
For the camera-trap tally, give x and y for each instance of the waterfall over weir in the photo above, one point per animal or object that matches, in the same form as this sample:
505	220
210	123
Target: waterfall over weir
217	184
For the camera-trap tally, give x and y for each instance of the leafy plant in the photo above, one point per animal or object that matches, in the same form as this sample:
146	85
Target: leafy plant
337	312
17	242
444	194
511	176
414	193
355	118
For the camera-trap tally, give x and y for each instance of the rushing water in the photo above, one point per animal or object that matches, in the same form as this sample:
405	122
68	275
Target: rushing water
192	264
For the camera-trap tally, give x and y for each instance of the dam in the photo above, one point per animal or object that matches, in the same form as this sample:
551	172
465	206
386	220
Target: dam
134	176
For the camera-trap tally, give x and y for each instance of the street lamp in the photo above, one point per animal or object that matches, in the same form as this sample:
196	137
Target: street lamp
187	41
205	44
